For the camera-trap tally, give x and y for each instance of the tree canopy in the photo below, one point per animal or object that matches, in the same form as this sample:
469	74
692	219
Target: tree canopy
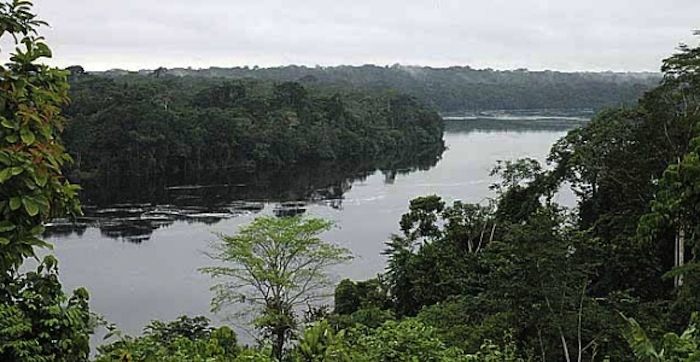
452	89
276	266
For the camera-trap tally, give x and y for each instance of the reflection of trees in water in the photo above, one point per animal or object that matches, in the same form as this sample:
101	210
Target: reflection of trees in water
318	181
131	209
135	223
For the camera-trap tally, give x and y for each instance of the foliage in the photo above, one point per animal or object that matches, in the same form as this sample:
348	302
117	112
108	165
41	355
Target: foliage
320	343
351	296
183	340
408	340
148	128
671	348
454	89
553	278
38	322
519	278
674	211
32	188
439	248
466	322
490	352
275	266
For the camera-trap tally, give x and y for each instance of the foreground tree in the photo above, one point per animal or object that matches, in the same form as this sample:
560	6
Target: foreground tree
275	266
32	187
38	322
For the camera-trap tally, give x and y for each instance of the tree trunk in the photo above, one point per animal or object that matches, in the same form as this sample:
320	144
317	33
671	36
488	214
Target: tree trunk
679	257
278	346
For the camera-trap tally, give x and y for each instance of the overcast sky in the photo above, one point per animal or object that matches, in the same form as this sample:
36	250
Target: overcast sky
565	35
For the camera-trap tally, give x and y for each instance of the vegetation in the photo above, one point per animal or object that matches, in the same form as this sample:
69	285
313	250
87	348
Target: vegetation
275	265
150	127
556	279
454	89
185	339
672	347
38	322
520	278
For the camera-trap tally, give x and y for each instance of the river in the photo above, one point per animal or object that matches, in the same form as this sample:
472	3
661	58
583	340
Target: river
148	269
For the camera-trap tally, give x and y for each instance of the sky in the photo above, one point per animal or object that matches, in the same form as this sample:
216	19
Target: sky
565	35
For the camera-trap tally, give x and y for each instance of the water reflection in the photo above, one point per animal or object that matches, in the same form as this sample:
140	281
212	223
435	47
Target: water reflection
132	209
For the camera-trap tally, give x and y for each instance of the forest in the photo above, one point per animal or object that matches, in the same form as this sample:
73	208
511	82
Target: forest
519	278
452	89
148	127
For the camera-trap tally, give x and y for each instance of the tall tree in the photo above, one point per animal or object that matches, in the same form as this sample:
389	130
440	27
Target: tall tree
675	209
275	266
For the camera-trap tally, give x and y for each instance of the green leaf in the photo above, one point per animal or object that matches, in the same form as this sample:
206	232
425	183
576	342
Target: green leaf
16	170
6	226
5	175
27	136
6	123
37	230
4	241
39	243
15	203
43	50
29	183
30	206
43	202
50	261
41	179
35	117
46	131
5	159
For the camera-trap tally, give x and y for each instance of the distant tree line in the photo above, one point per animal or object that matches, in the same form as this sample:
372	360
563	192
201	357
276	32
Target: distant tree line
456	88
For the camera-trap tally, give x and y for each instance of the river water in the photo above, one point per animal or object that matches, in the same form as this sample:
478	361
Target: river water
139	261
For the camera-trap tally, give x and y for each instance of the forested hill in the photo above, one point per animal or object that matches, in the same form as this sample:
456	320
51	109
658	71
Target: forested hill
136	126
458	88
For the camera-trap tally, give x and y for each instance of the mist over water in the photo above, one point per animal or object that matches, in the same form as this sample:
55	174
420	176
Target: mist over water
139	261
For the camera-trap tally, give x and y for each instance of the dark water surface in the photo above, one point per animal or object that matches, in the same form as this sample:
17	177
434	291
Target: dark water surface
139	260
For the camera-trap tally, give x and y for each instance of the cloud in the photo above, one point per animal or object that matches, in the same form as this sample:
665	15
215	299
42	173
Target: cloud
535	34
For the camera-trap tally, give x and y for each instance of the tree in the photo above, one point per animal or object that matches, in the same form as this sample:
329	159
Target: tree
275	266
32	187
437	253
38	322
675	206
